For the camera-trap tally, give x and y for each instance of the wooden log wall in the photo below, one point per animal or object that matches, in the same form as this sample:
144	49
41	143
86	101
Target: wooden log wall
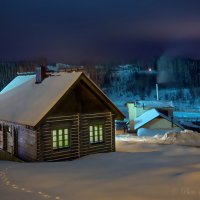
79	136
4	138
1	136
108	144
1	139
36	145
15	142
113	134
45	150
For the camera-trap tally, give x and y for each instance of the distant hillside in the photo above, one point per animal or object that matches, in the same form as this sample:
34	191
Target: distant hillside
178	78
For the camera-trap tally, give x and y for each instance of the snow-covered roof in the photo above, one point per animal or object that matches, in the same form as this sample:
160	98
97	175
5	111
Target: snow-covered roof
17	81
146	117
28	103
154	104
149	116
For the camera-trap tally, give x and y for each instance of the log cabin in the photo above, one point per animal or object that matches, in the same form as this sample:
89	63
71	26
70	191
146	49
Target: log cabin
59	116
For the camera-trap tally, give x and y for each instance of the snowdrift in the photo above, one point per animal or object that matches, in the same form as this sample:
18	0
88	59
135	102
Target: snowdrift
185	137
153	132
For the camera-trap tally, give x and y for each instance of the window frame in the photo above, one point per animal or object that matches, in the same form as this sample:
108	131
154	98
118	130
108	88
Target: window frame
94	135
58	140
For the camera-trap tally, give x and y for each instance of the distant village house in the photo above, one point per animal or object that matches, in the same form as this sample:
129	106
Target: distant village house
152	116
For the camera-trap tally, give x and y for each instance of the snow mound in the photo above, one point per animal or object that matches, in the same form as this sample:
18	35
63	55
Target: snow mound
153	132
186	137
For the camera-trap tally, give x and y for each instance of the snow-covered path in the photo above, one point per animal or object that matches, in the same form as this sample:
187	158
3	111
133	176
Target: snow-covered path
135	172
9	187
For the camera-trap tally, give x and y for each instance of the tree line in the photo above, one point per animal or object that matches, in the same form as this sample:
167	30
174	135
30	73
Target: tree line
138	78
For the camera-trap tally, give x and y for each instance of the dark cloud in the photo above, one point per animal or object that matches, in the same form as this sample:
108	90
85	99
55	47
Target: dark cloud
77	30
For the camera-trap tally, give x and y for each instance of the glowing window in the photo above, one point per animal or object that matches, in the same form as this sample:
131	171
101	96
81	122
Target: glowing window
60	138
96	133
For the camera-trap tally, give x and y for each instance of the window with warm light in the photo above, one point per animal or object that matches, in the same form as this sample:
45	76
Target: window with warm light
96	133
60	138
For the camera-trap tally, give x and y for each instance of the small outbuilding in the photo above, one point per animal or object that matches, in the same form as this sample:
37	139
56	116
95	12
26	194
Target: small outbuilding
153	122
138	108
56	117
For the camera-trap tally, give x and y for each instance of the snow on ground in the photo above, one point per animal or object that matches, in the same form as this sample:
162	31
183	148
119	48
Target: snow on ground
137	171
186	137
153	132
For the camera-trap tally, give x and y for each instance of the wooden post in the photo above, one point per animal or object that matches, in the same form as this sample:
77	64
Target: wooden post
114	146
39	140
1	136
4	138
15	142
111	128
79	136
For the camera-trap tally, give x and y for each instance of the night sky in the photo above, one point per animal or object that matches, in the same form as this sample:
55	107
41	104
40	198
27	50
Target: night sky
75	31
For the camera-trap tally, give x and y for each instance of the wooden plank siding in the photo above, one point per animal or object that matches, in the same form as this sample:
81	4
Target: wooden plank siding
27	144
10	142
18	140
15	142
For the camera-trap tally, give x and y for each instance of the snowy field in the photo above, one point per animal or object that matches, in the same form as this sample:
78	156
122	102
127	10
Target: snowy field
137	171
